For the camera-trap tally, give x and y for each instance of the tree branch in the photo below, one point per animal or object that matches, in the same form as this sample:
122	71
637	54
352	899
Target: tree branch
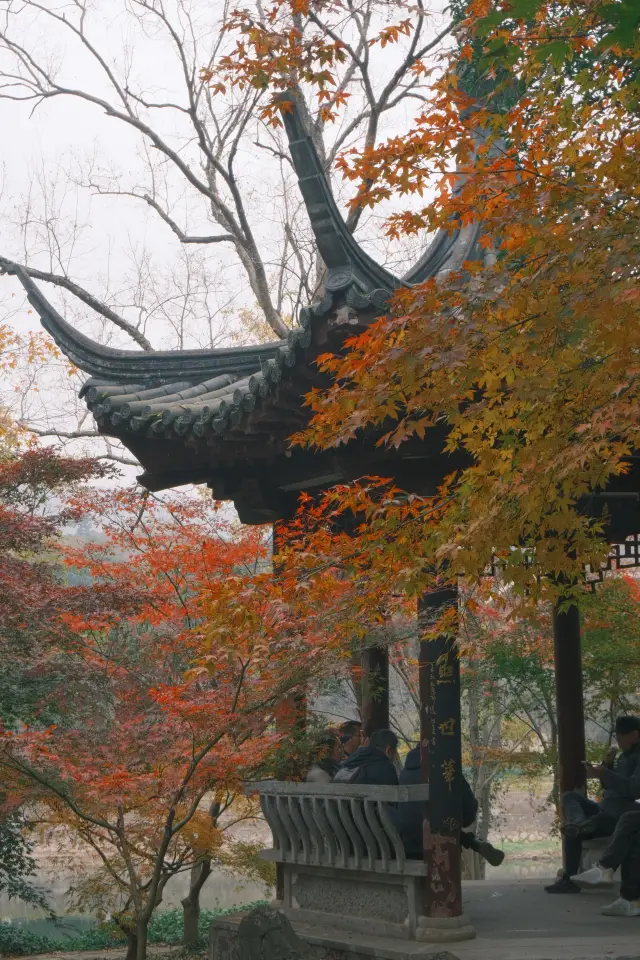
79	435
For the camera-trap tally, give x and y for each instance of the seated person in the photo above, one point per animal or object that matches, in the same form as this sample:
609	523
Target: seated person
585	818
350	734
373	764
409	817
326	758
623	850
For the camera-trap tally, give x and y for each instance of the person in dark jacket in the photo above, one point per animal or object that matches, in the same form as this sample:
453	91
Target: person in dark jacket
409	817
373	764
585	818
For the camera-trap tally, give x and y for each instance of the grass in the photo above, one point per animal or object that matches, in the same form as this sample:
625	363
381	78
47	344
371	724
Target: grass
525	850
166	927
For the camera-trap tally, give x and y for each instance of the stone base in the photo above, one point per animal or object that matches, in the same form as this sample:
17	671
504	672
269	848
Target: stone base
327	944
444	930
364	902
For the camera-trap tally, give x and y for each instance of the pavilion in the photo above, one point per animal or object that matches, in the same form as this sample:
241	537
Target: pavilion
223	417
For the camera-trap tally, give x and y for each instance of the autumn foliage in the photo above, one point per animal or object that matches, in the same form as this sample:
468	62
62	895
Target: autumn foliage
163	689
526	356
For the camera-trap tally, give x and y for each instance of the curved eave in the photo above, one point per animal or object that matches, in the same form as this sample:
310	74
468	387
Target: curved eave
197	395
110	365
193	411
349	268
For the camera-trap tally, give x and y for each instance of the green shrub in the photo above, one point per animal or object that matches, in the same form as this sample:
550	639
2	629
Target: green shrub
14	939
165	927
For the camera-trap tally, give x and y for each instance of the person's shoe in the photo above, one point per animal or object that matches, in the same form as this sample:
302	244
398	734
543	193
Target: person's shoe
490	853
582	828
562	885
596	878
622	908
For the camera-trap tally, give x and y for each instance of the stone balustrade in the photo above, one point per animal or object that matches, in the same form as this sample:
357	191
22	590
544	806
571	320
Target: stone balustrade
346	826
341	861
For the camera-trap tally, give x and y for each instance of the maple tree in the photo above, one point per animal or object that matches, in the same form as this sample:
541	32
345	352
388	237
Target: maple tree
527	357
167	687
34	489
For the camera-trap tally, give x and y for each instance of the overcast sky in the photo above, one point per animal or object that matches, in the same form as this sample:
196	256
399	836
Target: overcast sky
55	148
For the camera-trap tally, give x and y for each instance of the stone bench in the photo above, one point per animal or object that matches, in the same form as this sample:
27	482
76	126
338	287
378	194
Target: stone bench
342	862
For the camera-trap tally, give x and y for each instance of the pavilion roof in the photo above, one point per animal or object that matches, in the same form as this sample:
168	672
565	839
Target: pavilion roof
191	398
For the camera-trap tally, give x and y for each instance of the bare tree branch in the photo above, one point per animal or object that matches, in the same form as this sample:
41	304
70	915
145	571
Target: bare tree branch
82	435
219	125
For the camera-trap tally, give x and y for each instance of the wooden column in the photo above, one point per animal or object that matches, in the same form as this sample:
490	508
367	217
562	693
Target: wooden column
374	690
441	756
569	699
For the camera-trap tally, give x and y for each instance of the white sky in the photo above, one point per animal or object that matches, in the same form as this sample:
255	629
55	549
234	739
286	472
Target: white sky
110	244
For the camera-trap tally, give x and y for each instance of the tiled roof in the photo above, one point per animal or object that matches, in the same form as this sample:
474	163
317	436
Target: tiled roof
193	394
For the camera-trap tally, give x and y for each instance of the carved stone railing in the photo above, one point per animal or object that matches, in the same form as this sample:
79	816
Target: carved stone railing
342	866
346	826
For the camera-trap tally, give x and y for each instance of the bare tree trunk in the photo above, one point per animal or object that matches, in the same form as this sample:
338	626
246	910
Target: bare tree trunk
191	903
555	787
132	945
130	934
142	933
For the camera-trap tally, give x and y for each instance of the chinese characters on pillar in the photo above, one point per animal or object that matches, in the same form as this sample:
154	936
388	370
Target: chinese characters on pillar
440	736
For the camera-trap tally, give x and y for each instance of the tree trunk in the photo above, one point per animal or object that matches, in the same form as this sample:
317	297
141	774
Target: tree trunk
130	934
132	945
142	931
191	903
191	916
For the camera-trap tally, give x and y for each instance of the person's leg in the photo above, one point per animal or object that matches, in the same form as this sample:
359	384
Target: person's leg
630	877
576	808
580	815
628	903
571	855
483	848
601	874
578	811
625	835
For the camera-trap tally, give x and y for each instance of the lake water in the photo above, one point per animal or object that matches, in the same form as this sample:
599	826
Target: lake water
220	891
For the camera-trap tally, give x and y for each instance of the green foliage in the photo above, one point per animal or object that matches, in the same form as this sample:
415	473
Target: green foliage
611	650
513	672
17	865
165	927
16	941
